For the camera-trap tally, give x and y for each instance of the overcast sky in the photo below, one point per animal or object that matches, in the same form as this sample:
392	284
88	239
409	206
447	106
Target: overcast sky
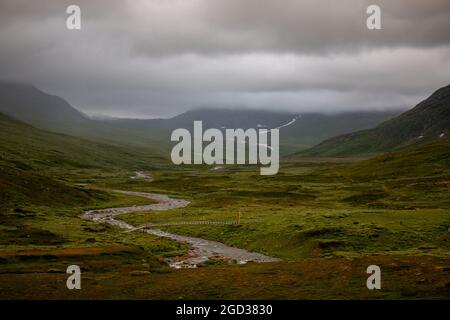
158	58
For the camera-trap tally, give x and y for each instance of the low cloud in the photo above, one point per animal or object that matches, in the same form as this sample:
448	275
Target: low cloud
159	58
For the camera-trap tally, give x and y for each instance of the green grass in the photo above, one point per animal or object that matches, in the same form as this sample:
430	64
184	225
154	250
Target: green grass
299	214
326	221
306	212
25	147
40	168
393	204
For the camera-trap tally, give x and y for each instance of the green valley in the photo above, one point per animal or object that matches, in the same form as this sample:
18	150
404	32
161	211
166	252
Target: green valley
325	221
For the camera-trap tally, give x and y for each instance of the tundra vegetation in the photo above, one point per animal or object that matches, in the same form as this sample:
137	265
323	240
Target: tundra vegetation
326	221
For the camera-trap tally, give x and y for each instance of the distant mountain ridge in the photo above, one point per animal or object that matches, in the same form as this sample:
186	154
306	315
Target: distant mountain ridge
31	105
429	121
16	99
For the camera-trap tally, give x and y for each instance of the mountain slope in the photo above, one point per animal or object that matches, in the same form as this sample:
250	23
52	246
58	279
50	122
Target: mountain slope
416	177
430	160
27	103
34	164
296	131
427	122
24	145
31	105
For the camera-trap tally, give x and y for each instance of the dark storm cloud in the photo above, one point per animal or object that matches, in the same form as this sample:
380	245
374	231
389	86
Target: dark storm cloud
309	26
151	58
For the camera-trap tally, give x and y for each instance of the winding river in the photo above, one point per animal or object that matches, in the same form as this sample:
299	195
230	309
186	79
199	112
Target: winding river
201	249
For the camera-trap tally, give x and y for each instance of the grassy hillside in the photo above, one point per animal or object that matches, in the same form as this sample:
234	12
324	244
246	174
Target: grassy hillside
26	147
412	178
35	163
431	160
427	122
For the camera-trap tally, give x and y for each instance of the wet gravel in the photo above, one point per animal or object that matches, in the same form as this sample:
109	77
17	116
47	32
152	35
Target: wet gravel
201	250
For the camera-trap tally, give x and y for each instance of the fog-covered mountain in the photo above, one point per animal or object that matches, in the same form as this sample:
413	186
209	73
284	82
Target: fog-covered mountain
429	121
297	131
